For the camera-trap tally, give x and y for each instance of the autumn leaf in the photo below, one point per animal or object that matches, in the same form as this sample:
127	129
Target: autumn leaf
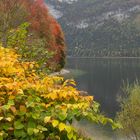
55	123
47	119
62	126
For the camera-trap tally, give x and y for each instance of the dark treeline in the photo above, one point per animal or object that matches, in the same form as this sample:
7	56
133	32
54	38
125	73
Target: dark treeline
112	39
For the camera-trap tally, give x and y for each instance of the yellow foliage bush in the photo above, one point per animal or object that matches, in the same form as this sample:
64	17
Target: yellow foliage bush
38	107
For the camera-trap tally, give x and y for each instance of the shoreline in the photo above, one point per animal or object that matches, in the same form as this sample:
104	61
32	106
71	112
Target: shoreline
60	73
105	57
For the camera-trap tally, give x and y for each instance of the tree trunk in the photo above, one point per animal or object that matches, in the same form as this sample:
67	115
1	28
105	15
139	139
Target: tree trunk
4	39
135	134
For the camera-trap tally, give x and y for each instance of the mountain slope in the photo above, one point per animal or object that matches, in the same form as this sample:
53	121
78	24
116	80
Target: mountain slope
99	28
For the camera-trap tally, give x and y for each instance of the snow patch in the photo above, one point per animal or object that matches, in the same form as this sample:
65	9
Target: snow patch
135	8
82	25
68	1
56	13
119	15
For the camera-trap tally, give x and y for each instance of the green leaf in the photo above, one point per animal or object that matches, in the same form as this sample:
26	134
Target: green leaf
103	120
36	131
42	128
11	102
31	124
34	138
35	116
6	126
30	131
5	107
70	135
18	125
20	133
68	129
96	106
116	126
74	137
1	135
62	117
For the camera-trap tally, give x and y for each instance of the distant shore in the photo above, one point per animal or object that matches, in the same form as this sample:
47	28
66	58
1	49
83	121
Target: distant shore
105	57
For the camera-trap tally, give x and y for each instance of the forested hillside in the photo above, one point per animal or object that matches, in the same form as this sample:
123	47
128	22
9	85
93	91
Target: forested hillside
99	28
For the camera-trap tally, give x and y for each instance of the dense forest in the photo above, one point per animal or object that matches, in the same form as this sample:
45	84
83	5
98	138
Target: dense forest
100	28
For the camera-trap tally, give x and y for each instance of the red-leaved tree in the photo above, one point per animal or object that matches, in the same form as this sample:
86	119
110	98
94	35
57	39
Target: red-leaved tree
42	25
45	26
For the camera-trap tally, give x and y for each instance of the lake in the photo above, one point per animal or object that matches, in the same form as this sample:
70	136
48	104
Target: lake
104	78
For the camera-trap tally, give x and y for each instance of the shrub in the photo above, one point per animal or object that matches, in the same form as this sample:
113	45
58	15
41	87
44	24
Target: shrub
39	107
129	116
29	46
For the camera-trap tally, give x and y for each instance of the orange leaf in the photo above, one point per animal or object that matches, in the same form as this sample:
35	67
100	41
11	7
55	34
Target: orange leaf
22	108
13	109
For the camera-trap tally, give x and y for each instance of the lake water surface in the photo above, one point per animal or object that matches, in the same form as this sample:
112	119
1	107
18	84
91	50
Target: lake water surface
104	79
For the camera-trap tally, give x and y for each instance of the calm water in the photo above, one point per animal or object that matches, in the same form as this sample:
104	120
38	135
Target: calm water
104	79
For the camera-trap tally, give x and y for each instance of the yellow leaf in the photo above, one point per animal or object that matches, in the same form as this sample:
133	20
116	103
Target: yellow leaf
47	119
55	123
53	96
9	119
11	97
31	66
62	126
20	91
1	133
73	82
1	118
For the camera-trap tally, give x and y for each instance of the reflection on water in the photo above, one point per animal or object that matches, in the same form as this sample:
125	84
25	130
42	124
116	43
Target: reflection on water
104	79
